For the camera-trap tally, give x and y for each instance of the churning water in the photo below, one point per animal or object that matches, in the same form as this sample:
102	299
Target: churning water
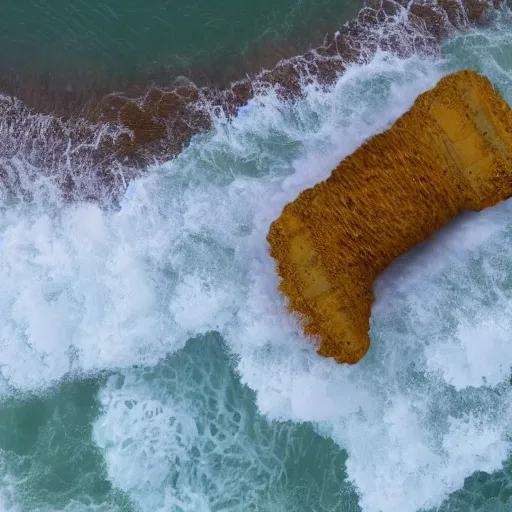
147	362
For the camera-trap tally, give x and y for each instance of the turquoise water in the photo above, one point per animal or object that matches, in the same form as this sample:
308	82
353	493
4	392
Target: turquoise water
48	443
147	361
126	37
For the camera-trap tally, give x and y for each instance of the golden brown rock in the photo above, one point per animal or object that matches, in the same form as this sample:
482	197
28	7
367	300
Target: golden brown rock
452	151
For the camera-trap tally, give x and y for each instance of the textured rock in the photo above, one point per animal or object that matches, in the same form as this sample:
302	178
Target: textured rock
451	152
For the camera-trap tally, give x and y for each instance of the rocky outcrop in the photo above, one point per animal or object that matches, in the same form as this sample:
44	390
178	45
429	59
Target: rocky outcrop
163	121
98	142
452	151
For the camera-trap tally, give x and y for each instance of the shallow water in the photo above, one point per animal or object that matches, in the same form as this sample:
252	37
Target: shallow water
147	361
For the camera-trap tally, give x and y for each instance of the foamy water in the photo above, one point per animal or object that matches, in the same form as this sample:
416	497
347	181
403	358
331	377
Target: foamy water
206	396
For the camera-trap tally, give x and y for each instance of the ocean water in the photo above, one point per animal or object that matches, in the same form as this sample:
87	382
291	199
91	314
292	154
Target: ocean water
147	362
107	37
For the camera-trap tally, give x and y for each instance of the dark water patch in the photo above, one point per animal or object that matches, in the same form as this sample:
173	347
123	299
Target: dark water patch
47	452
482	492
117	36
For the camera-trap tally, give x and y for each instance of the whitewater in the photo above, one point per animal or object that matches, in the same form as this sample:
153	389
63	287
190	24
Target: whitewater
164	367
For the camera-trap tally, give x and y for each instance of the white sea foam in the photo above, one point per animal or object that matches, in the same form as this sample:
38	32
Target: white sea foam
401	414
84	290
184	435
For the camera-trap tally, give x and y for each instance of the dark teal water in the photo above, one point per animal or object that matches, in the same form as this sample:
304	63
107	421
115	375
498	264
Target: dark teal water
113	36
46	442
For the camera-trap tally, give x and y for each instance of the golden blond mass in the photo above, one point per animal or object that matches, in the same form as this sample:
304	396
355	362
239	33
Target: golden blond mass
452	151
